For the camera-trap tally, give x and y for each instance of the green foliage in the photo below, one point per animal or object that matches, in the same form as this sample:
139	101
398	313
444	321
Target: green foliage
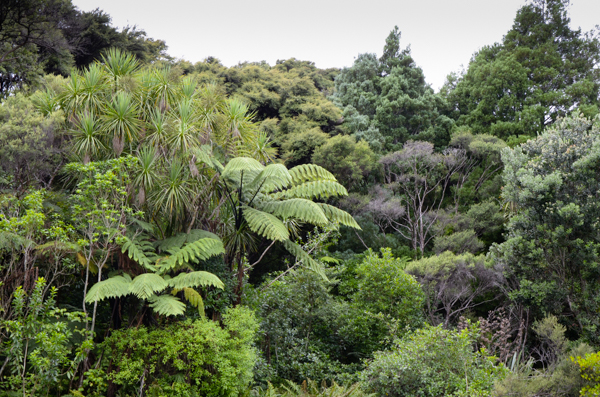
552	249
299	321
185	358
311	388
385	288
388	98
43	345
29	145
433	362
590	371
348	160
541	71
289	99
456	284
557	373
36	240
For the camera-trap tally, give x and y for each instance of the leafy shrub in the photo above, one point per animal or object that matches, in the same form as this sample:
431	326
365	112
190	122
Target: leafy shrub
384	301
310	388
558	376
299	330
44	345
433	362
185	358
590	371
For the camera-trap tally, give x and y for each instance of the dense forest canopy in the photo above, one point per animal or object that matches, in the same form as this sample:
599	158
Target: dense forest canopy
179	229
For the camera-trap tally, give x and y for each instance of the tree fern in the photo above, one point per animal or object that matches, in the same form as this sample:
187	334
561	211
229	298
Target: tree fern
191	252
310	172
141	251
302	209
265	224
113	287
10	240
337	215
306	260
167	305
178	240
195	279
193	297
147	284
203	155
273	176
241	164
313	189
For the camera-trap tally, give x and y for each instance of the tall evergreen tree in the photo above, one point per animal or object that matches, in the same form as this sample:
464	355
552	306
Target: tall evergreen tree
392	93
541	70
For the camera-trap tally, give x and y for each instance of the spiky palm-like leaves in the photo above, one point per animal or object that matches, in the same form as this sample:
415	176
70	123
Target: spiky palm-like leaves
172	196
119	64
121	121
87	138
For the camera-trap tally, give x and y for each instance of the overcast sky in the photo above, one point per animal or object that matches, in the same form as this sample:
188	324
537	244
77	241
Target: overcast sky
443	34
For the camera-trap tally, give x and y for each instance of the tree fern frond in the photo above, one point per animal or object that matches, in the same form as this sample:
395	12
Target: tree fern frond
337	215
145	226
302	209
167	305
203	154
239	164
10	240
179	239
306	260
58	246
265	224
273	176
176	241
313	189
141	251
197	234
145	285
192	296
195	279
310	172
192	252
113	287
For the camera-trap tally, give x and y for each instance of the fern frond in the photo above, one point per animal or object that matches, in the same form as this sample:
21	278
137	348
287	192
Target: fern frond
301	209
145	285
10	240
302	256
179	239
272	177
58	246
203	154
141	251
197	234
167	305
176	241
145	226
192	296
195	279
239	164
337	215
192	252
265	224
313	189
113	287
310	172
